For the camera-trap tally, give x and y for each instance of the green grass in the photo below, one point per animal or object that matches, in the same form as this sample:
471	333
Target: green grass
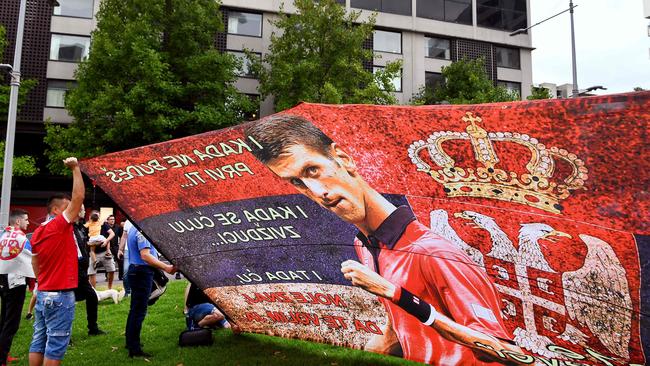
163	324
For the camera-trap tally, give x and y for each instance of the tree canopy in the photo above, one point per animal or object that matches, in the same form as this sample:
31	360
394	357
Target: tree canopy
539	92
318	56
153	74
464	82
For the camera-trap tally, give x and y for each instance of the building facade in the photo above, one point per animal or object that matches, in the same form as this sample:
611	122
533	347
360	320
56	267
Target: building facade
424	34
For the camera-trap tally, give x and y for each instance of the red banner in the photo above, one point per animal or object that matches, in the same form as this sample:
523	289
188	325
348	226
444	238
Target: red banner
495	233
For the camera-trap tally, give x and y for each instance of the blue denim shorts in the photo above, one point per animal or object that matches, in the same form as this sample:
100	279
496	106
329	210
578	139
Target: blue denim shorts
53	317
200	311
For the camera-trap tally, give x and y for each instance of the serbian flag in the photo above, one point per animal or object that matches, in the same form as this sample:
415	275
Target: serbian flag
546	202
15	253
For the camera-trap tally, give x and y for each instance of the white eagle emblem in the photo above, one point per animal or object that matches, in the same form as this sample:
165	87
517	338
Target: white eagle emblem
596	296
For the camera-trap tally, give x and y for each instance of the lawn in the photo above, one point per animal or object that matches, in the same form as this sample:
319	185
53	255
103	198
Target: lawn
160	332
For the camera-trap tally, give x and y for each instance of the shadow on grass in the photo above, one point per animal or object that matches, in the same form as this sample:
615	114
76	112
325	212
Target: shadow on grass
160	331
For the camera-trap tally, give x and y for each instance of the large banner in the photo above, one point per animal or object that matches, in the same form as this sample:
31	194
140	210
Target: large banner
451	235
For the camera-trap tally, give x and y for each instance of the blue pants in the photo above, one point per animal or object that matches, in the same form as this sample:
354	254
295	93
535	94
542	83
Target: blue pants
140	280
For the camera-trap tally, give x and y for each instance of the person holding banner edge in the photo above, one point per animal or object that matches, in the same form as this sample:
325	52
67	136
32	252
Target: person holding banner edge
55	265
143	258
441	308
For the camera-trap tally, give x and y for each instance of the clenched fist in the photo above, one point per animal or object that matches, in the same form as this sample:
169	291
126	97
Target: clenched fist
71	162
364	277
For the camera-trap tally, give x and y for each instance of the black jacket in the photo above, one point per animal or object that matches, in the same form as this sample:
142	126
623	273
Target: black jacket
81	234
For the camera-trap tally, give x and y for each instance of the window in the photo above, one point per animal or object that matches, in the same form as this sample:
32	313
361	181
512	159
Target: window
384	41
75	8
511	86
69	48
437	48
56	90
245	68
245	24
507	57
433	79
509	15
401	7
397	81
455	11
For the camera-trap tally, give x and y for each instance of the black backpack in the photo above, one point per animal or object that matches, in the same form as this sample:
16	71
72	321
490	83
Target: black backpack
158	287
195	337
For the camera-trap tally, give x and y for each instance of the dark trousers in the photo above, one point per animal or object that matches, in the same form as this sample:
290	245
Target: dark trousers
12	308
120	266
125	282
119	261
140	280
85	291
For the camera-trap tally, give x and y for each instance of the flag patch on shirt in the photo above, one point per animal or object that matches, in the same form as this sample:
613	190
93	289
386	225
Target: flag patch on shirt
484	313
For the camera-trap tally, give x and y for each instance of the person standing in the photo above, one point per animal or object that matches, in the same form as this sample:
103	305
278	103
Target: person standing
15	267
84	290
123	254
115	244
55	265
143	258
102	252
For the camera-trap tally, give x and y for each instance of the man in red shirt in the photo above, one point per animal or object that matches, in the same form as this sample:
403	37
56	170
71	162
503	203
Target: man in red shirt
441	309
55	265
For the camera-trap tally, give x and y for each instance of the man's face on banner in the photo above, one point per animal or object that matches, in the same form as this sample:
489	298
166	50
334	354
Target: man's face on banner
332	182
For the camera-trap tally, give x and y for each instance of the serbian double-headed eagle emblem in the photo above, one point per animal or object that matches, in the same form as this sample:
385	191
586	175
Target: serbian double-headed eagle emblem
594	300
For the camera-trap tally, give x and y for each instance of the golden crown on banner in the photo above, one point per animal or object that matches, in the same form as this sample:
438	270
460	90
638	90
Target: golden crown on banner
537	187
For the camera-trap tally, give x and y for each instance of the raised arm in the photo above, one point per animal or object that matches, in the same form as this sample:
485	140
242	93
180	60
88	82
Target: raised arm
78	190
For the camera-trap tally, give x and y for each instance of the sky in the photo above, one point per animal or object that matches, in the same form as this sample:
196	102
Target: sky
612	44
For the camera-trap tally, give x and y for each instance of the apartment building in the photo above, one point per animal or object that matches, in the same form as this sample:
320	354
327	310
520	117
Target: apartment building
425	34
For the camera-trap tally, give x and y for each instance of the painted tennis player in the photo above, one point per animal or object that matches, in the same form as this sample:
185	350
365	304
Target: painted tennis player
441	308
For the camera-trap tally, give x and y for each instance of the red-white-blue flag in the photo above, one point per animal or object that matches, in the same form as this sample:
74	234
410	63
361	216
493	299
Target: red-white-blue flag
15	253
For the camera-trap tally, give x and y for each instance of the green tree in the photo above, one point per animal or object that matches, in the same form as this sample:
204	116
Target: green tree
153	74
24	166
539	92
465	82
318	57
